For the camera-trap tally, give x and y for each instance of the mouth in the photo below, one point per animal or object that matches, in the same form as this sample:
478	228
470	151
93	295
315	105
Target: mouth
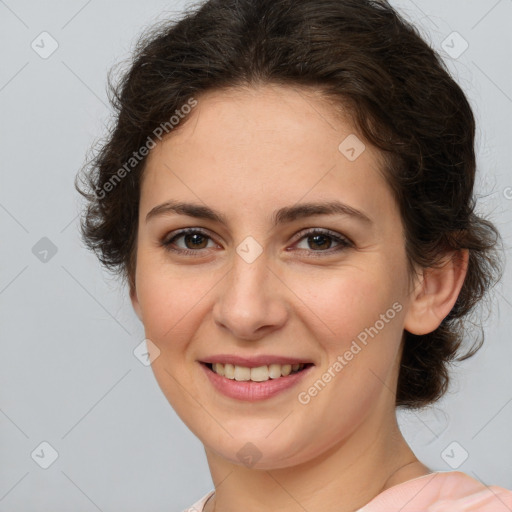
255	382
260	373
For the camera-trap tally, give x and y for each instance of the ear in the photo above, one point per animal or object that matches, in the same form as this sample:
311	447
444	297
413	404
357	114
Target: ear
135	302
436	292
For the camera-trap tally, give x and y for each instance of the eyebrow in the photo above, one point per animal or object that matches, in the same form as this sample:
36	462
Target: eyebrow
281	216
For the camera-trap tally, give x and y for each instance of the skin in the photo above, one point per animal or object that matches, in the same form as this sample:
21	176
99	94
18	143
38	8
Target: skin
245	153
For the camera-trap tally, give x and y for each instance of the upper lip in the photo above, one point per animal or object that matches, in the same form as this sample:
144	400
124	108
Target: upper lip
254	361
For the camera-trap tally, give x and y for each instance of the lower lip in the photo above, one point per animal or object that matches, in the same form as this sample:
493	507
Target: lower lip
251	391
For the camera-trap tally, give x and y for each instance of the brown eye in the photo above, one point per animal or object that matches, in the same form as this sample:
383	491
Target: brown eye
321	241
194	241
197	240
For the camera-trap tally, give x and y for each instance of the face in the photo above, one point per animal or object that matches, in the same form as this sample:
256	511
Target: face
261	280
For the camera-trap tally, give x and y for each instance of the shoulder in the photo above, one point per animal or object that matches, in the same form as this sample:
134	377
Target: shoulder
198	505
450	491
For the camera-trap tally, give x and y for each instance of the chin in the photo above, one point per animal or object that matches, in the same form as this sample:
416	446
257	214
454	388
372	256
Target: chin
262	453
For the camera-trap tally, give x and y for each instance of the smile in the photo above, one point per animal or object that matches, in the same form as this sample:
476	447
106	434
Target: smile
258	374
255	382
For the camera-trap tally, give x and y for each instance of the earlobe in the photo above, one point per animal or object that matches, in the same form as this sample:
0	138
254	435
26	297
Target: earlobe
436	293
135	303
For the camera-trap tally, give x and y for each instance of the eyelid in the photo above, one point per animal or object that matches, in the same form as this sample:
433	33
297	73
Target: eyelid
184	231
173	235
311	231
342	240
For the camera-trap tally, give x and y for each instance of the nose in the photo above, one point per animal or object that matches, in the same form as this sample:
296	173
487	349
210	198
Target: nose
251	301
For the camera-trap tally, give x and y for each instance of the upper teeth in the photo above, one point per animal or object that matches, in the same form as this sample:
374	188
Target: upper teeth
259	374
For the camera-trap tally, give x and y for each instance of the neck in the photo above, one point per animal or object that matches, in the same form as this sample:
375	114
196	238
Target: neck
342	479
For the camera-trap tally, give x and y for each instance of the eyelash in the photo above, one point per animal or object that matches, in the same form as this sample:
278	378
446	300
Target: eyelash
344	242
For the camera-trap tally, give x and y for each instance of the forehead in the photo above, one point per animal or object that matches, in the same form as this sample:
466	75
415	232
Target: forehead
277	117
266	143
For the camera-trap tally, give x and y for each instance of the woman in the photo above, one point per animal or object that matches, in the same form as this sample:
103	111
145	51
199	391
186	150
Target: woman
288	192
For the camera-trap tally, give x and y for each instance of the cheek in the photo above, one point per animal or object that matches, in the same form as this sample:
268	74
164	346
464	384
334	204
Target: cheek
169	300
359	333
342	305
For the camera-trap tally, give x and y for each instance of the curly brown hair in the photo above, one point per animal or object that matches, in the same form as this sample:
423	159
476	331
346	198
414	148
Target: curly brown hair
367	60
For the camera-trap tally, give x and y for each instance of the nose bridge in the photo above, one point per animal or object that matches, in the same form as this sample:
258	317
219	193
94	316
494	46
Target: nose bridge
248	300
247	284
250	270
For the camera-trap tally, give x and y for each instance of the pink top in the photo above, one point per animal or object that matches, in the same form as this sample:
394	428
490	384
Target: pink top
441	491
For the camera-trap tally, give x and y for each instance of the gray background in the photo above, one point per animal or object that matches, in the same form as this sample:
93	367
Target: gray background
68	373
